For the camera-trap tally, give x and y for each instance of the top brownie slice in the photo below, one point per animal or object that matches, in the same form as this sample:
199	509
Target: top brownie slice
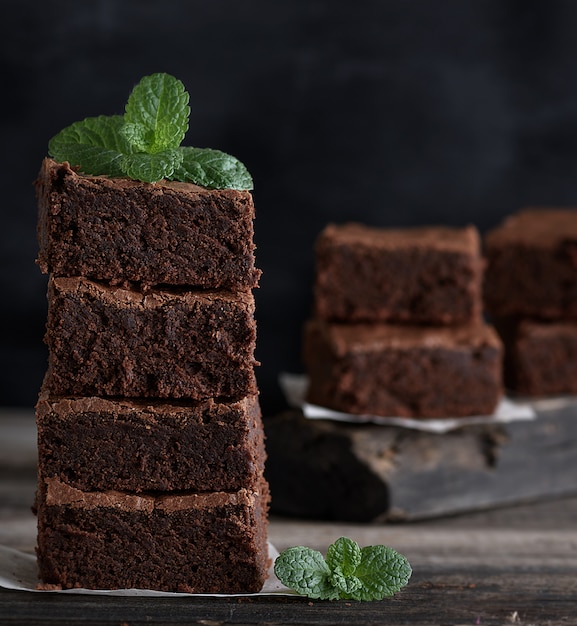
121	230
532	265
427	275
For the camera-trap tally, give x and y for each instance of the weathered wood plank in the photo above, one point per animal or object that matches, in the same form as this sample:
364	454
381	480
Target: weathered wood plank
479	596
337	471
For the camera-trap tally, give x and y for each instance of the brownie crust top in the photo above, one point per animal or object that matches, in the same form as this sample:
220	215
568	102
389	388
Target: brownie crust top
464	240
536	227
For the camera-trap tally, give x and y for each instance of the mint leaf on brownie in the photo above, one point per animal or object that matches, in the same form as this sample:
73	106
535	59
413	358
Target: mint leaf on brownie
213	169
156	114
95	144
151	167
144	143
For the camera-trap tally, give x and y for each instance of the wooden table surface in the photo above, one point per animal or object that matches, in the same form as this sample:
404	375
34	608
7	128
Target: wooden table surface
514	565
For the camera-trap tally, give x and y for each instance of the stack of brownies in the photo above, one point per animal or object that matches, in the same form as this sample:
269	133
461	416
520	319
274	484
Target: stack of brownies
531	291
397	327
151	446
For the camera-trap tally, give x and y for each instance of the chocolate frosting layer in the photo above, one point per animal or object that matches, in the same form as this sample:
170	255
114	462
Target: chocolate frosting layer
538	227
346	338
59	493
152	298
160	187
436	237
68	408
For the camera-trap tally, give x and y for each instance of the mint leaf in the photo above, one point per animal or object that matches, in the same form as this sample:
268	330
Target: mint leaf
144	143
343	558
345	554
156	114
382	572
305	571
349	572
213	169
95	144
151	167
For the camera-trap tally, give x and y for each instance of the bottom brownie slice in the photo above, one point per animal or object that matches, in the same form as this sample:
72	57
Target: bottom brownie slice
198	543
407	371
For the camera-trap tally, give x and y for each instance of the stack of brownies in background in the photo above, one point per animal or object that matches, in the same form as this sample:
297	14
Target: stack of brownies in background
397	327
151	446
531	293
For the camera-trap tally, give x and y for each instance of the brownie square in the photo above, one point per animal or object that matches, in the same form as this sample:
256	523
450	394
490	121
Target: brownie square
94	444
430	275
532	265
407	371
121	230
540	357
111	341
199	543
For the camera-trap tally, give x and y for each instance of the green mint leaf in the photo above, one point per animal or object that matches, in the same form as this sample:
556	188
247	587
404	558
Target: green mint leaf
151	167
137	135
343	558
348	573
212	169
156	114
382	572
345	554
144	143
96	145
305	571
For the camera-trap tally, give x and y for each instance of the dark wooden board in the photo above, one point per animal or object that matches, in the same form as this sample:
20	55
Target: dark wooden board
438	596
361	472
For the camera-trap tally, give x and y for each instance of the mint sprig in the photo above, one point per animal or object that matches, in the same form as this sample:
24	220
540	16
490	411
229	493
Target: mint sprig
348	572
144	143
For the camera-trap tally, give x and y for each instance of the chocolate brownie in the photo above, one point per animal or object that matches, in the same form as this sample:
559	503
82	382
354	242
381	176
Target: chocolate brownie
540	357
410	371
428	275
111	341
122	230
95	444
187	542
532	265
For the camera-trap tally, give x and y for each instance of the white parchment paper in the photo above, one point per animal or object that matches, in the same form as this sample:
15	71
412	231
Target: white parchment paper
294	387
18	571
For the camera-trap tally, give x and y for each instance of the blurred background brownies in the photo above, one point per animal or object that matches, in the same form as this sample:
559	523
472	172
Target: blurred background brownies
531	294
397	327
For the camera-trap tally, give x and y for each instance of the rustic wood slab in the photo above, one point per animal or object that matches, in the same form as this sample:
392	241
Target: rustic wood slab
332	470
435	596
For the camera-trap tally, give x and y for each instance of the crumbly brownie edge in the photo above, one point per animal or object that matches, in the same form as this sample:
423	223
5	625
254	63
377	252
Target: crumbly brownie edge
165	233
414	380
98	444
376	277
117	342
209	544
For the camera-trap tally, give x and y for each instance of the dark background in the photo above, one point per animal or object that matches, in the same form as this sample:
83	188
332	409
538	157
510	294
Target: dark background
393	112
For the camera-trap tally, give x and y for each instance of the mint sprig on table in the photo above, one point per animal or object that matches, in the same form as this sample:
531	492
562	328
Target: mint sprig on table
144	143
348	572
